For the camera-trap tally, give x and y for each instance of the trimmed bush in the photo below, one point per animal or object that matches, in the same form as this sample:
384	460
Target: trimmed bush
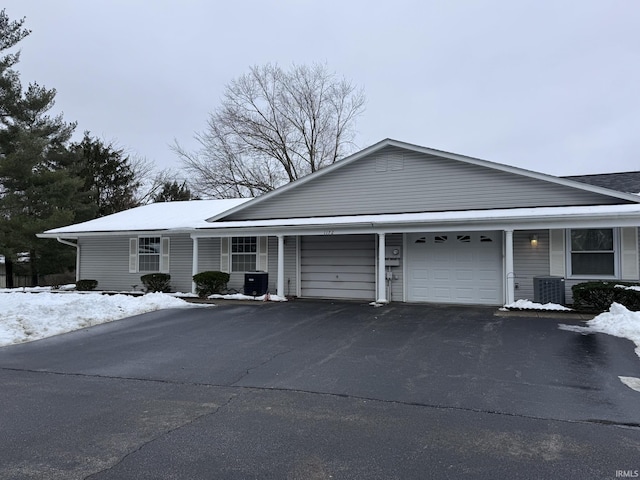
598	296
157	282
208	283
86	285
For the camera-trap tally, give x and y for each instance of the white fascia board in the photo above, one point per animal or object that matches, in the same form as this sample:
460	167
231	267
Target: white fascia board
113	233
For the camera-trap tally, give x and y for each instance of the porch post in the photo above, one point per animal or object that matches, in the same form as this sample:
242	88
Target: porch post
382	280
280	284
508	267
194	263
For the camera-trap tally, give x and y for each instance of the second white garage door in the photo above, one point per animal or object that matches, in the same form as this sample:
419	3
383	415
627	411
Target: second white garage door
458	267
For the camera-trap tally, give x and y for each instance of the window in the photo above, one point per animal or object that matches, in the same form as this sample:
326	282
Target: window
244	254
593	252
149	254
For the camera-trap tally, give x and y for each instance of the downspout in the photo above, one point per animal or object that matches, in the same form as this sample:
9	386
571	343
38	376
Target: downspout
77	247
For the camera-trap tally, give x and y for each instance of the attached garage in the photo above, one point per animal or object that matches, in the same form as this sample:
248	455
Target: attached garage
341	266
455	267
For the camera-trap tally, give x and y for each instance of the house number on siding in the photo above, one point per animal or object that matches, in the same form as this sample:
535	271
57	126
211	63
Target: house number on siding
328	232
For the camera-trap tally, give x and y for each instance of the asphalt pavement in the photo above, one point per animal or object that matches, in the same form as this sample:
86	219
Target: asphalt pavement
320	390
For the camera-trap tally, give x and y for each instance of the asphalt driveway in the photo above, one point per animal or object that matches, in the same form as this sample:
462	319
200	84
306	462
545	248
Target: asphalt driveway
314	390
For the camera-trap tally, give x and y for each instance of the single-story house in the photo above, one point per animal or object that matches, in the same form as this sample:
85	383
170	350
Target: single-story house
393	222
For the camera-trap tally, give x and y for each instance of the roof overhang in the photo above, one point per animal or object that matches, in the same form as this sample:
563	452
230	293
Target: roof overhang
468	220
598	216
112	233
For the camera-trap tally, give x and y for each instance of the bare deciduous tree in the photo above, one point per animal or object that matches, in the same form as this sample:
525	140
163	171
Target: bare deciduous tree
273	127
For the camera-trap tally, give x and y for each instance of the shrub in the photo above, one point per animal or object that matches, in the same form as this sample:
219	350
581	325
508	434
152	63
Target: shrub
599	296
208	283
156	282
86	285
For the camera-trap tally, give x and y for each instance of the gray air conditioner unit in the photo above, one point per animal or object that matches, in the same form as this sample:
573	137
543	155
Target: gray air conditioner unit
548	290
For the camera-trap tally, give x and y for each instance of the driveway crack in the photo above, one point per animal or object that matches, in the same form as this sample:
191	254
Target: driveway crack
248	371
162	434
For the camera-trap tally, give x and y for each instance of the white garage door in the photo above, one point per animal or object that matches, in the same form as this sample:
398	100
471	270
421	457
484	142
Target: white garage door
341	266
458	267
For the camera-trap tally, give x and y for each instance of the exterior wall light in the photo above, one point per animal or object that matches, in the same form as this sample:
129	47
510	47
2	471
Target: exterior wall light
534	240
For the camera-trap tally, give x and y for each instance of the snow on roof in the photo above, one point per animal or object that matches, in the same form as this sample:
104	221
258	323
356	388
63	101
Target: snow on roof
155	216
507	214
191	216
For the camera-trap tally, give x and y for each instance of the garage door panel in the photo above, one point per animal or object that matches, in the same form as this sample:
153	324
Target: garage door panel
459	267
487	293
464	275
345	277
320	269
439	274
340	253
338	267
350	294
419	274
466	294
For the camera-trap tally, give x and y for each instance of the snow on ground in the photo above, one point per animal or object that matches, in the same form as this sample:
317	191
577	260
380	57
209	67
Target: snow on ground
528	305
618	321
238	296
27	316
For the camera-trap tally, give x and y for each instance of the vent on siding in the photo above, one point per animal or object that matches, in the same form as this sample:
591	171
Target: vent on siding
390	162
464	238
440	239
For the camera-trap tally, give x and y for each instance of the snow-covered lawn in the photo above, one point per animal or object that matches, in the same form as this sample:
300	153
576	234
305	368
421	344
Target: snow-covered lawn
26	316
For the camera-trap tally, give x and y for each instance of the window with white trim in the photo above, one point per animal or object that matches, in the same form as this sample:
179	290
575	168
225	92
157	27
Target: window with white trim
244	254
593	252
149	251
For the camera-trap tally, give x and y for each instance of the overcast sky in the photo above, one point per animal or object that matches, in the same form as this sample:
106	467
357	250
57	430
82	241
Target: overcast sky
551	86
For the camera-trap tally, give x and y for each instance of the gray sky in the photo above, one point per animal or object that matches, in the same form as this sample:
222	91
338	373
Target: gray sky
551	86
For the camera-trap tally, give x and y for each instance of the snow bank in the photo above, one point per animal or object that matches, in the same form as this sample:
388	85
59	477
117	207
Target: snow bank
618	321
30	316
528	305
238	296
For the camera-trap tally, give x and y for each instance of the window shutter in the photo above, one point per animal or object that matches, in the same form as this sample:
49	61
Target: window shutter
164	254
263	246
557	246
133	255
629	253
224	255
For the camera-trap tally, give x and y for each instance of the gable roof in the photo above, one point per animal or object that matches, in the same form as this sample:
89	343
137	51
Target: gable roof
152	217
622	181
432	152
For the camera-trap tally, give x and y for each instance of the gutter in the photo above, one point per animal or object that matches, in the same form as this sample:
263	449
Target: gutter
77	247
